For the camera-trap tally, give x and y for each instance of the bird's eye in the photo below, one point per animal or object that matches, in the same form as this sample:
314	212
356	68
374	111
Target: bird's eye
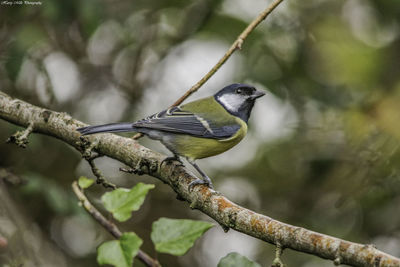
239	91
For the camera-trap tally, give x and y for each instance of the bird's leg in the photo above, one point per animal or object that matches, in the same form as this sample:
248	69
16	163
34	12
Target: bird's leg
175	157
206	180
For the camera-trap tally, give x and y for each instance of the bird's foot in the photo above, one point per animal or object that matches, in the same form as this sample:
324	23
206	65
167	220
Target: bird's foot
206	182
170	159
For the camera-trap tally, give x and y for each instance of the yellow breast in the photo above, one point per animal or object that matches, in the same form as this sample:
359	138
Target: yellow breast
198	148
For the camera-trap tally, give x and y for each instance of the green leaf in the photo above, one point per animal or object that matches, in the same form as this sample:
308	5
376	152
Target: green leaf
176	237
119	253
236	260
85	182
121	202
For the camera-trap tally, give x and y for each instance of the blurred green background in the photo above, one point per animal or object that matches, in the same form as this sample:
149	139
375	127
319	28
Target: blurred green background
323	147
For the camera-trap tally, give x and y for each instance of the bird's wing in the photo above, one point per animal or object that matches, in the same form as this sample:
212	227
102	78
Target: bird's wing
175	120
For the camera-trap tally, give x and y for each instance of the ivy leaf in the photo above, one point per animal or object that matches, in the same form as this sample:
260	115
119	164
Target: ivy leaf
175	236
119	253
121	202
85	182
236	260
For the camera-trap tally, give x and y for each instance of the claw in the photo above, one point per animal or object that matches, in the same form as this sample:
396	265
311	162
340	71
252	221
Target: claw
206	180
200	182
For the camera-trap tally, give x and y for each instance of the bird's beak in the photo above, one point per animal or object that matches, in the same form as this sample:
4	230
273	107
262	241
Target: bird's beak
257	94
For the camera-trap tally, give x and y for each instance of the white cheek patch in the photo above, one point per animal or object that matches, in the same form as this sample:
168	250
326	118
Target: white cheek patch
232	102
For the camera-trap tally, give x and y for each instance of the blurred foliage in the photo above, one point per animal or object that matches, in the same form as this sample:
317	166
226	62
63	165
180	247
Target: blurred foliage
334	63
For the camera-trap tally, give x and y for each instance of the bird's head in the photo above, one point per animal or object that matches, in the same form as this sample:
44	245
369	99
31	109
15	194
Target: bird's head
238	99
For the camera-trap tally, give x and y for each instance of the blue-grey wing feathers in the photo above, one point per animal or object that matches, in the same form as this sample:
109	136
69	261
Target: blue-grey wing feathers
172	120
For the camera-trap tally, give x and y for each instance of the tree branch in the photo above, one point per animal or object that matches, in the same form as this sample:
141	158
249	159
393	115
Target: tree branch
109	226
225	212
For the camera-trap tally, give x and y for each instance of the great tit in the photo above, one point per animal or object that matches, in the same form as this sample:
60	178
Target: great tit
196	130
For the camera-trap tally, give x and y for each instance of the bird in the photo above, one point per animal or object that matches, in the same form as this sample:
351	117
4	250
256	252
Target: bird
199	129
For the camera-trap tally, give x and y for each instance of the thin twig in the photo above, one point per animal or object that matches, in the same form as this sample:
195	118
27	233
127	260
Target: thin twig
87	150
278	253
99	176
20	138
109	226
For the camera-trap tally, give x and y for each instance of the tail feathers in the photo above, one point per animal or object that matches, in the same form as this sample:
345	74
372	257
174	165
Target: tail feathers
107	128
